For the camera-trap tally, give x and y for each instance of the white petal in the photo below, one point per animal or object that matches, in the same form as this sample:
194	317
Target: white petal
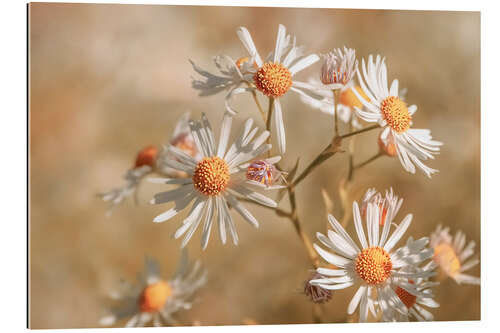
332	258
247	41
242	210
303	63
280	40
353	304
172	195
179	206
398	233
207	226
225	130
279	127
358	223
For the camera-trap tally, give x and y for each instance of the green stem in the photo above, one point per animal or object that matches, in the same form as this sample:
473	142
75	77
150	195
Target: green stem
323	156
373	158
366	129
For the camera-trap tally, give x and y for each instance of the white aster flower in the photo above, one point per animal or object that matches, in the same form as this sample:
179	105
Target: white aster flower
385	107
215	179
372	266
338	68
451	254
232	75
150	160
388	206
416	294
155	299
274	76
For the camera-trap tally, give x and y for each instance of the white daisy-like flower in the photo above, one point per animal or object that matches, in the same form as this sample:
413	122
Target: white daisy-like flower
232	74
372	266
274	76
416	294
338	68
388	206
150	160
156	299
451	254
385	107
215	179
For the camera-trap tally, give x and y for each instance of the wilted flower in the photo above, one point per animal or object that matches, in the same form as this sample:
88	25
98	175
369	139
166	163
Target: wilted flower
451	254
263	172
150	160
315	292
385	107
388	205
155	299
215	179
338	68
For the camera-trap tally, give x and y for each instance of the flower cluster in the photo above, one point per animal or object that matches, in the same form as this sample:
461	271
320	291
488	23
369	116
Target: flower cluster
209	177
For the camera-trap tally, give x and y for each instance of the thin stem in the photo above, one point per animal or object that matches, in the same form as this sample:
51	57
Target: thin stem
298	228
323	156
369	128
254	95
352	143
262	113
335	111
373	158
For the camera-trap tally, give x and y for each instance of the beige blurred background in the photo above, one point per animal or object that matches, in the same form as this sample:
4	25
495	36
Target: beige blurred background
107	80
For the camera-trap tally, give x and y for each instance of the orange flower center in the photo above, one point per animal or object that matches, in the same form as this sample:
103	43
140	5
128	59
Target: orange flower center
273	80
147	156
373	265
408	299
447	259
211	175
396	114
154	296
348	98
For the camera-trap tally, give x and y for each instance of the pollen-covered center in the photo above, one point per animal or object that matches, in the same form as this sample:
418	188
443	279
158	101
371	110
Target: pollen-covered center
211	175
373	265
154	296
447	259
273	80
408	299
395	112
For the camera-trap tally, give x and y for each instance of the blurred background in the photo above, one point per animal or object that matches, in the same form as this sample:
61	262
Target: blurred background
108	80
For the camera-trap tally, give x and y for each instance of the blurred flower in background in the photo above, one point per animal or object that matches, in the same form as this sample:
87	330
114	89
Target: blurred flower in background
155	299
149	160
451	254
